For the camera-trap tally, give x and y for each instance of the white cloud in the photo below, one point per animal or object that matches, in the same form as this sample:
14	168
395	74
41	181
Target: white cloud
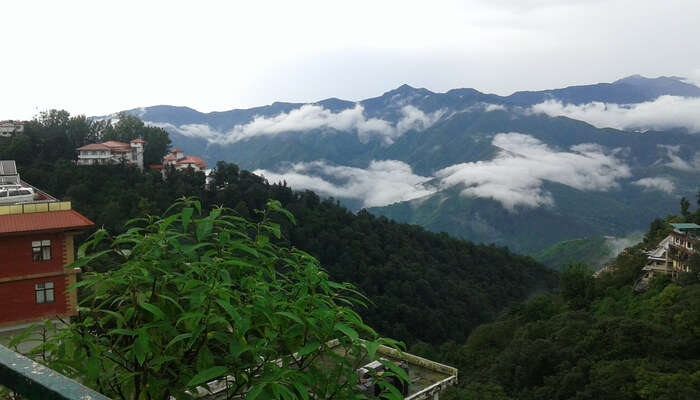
515	176
382	183
493	107
676	162
665	112
191	130
311	117
694	77
661	184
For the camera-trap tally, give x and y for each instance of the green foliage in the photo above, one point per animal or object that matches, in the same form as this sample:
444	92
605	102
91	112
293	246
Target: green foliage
577	285
596	339
199	296
591	251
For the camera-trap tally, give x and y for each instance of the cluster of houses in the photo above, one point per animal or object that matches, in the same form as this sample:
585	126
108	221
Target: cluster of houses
113	152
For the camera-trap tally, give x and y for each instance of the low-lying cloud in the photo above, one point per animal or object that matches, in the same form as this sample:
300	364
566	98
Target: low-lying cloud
666	112
312	117
662	184
382	183
516	175
676	162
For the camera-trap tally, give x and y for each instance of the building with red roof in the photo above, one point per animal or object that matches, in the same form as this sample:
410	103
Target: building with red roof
36	247
112	152
176	159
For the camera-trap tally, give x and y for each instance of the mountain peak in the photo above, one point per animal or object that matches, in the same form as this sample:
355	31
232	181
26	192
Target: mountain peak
406	89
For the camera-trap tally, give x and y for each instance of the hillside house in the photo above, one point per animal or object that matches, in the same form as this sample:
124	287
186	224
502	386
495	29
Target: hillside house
672	255
9	128
176	159
112	152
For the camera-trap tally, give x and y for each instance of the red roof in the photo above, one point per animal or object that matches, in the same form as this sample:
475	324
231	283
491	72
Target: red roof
109	145
137	141
192	160
114	143
93	146
43	221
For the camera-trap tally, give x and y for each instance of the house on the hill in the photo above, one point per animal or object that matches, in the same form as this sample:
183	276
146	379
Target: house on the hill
672	255
36	246
9	128
176	159
112	152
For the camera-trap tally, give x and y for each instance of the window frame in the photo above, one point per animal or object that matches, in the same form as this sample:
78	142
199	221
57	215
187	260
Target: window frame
41	250
42	292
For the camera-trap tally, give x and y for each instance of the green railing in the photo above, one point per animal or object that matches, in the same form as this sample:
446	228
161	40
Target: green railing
32	380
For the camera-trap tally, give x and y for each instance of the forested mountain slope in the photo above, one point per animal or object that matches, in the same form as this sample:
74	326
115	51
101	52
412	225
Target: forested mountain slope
423	286
596	339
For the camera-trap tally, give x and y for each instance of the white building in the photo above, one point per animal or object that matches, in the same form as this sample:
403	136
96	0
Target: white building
9	128
112	152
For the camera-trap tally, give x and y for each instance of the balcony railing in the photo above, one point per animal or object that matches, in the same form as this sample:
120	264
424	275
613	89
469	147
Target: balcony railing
32	380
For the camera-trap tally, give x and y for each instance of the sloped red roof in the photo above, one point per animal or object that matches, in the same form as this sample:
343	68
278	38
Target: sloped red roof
114	143
137	141
93	146
43	221
192	160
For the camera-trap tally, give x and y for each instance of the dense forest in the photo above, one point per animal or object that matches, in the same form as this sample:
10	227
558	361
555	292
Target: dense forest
596	339
423	286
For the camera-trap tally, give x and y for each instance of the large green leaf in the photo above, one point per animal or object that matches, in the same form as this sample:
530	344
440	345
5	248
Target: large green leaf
207	375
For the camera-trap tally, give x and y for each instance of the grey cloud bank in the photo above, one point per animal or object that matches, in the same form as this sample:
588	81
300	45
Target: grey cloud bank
661	184
382	183
513	178
311	117
665	112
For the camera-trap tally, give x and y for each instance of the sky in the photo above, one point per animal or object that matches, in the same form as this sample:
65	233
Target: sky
99	57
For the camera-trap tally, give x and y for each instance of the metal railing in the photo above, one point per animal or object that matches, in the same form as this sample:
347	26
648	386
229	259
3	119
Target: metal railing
32	380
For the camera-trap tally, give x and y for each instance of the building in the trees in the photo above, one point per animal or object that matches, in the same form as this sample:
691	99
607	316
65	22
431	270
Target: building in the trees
9	128
672	255
36	246
176	159
112	152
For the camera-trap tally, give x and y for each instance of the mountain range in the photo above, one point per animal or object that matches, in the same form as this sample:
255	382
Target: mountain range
525	171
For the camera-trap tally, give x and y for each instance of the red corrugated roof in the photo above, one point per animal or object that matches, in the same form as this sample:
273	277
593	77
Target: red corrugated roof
192	160
114	143
43	221
93	146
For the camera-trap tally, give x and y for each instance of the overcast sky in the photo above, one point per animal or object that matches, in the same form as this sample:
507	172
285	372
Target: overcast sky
98	57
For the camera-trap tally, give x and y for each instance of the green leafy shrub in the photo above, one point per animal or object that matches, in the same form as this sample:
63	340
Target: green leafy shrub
197	298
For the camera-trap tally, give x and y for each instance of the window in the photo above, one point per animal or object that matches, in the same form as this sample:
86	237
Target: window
44	292
41	250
